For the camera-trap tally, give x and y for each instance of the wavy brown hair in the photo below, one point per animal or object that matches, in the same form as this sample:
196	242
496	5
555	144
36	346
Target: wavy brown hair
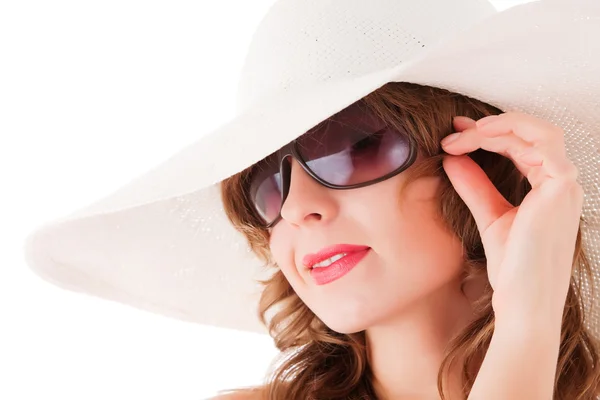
318	363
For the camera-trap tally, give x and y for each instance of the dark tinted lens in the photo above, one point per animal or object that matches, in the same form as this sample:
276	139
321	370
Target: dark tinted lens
266	188
345	155
351	148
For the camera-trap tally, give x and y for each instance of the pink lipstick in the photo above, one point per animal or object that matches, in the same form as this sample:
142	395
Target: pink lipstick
352	255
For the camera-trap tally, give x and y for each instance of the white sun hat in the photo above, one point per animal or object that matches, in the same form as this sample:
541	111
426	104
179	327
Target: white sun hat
163	243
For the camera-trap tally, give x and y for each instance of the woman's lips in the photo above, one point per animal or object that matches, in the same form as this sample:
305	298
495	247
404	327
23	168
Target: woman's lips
311	259
324	275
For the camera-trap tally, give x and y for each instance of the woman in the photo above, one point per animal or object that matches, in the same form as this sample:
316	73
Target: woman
468	269
392	322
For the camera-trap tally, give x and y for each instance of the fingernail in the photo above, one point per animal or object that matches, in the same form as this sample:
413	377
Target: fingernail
464	117
450	138
486	120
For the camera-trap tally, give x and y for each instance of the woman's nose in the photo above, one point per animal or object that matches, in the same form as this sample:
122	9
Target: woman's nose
307	200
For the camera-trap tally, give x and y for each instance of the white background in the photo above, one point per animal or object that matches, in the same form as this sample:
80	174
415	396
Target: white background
93	94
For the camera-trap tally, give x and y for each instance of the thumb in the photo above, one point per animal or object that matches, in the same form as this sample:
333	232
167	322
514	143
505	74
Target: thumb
476	190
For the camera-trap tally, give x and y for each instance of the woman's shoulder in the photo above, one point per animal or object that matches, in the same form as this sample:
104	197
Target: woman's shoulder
238	396
249	394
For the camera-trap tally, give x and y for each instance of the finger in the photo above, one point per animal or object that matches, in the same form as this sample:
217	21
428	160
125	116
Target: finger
461	123
476	190
510	146
538	132
525	155
541	127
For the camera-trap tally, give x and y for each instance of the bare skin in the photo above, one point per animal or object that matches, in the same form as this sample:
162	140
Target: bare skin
405	293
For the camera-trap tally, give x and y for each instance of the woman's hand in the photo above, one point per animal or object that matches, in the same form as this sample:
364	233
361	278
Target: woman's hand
529	248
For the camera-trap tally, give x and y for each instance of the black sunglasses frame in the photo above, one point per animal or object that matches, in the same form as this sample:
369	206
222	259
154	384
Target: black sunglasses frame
291	150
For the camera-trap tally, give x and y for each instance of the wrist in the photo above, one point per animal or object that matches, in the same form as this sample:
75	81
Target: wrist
523	316
528	327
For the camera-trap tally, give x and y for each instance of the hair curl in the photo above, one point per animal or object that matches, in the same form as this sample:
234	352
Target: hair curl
319	363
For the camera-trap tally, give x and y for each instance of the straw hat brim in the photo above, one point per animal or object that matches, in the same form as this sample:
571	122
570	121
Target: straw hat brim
163	244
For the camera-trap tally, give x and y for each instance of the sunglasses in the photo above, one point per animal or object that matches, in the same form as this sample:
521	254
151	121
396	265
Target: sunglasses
352	149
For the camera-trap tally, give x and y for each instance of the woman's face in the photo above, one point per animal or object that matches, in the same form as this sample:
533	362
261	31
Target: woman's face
412	255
